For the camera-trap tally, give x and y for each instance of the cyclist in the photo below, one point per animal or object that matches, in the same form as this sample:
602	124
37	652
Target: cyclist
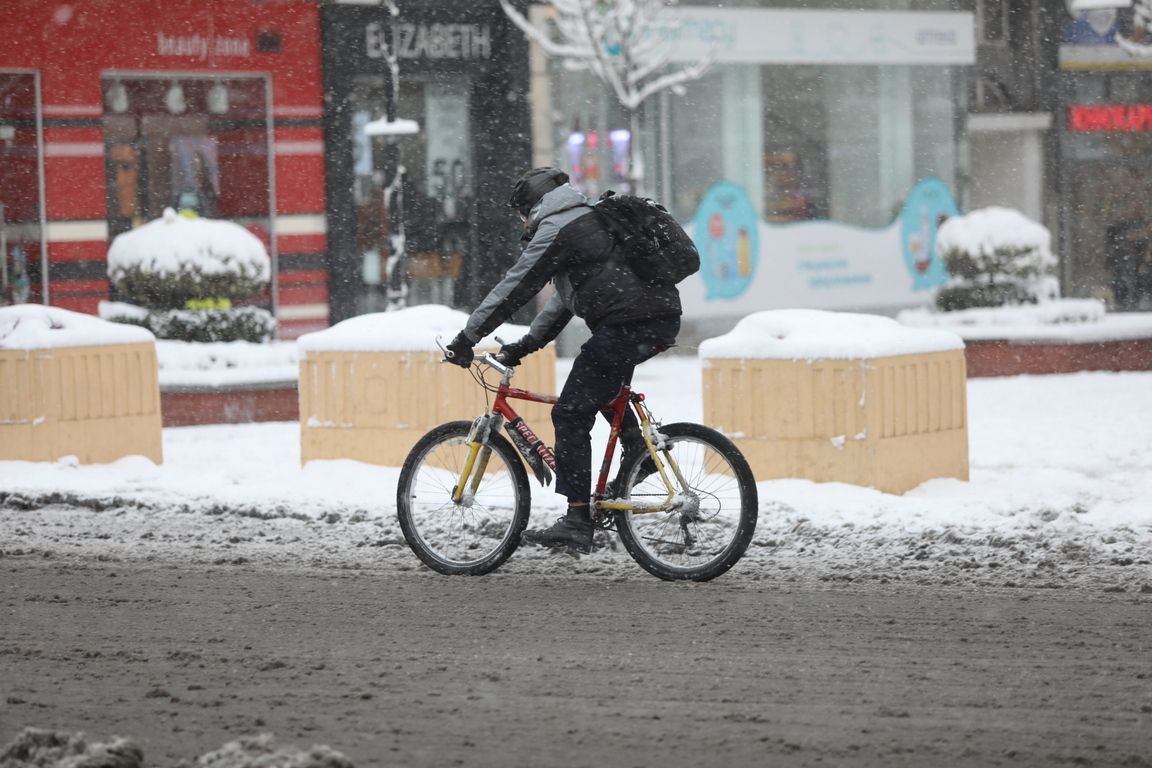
630	319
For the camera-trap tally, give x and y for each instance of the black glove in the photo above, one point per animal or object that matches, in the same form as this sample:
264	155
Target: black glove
460	351
512	354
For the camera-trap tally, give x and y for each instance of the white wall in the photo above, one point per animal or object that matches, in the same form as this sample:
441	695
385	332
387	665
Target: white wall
1007	161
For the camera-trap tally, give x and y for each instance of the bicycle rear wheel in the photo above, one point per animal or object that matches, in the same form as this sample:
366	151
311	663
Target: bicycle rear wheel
478	534
714	523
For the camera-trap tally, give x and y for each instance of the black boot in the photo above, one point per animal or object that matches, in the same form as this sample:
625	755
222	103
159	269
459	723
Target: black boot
632	442
574	531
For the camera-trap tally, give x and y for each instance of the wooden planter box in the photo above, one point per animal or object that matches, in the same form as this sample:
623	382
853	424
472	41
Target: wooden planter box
890	423
374	406
98	403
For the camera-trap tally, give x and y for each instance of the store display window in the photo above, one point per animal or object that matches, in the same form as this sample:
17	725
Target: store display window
438	188
196	144
805	142
1106	143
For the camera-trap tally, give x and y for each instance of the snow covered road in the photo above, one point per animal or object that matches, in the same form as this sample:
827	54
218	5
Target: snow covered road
1060	495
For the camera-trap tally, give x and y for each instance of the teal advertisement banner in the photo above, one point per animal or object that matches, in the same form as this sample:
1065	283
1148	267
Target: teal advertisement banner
747	265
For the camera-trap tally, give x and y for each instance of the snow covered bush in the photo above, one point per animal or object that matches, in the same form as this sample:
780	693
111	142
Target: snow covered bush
996	257
187	272
206	325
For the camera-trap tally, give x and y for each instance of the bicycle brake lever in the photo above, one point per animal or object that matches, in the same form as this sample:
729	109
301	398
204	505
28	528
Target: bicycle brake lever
448	354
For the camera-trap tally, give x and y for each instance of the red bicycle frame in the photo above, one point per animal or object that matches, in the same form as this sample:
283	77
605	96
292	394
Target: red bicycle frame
617	408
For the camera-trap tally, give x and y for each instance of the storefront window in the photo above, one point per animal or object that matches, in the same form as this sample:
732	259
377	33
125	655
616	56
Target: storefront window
189	143
439	191
20	242
1107	146
805	142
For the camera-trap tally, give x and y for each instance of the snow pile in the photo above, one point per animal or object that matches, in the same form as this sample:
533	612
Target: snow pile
414	329
34	326
808	334
1059	312
261	752
995	256
36	748
1065	321
173	243
222	364
122	312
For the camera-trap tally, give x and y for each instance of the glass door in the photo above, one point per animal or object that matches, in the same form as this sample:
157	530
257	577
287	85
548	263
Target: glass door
438	190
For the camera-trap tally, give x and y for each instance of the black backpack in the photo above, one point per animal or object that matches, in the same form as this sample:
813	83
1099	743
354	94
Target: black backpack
657	248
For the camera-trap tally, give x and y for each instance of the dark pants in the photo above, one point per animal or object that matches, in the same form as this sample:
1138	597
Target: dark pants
605	363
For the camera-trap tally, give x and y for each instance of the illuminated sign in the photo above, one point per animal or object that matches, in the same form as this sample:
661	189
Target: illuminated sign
1116	118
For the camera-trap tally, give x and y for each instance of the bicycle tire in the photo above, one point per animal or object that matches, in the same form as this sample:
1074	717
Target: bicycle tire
472	538
708	536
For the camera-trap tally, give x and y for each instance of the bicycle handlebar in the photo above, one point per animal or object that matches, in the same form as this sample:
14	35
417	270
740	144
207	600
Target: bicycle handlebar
494	361
487	358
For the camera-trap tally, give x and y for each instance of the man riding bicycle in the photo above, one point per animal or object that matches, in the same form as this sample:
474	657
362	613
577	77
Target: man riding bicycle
631	321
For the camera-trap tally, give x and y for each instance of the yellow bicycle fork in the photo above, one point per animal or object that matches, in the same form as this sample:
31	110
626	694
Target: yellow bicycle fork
478	455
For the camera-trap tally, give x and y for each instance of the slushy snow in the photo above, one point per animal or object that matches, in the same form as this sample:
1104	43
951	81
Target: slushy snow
1060	495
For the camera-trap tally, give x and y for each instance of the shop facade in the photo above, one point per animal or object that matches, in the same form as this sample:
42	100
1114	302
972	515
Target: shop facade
814	160
1104	158
111	112
463	79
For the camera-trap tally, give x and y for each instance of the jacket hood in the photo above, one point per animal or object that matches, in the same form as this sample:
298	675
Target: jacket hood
560	199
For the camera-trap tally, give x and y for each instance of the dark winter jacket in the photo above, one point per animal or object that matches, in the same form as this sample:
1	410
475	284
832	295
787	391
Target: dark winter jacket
569	246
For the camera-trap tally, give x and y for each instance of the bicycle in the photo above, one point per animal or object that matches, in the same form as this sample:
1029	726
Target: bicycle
685	508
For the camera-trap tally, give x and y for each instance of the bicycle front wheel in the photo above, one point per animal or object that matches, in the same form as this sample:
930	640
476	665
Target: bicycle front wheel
715	515
476	535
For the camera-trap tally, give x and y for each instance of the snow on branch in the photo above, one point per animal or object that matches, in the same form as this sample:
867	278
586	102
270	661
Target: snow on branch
626	43
1142	29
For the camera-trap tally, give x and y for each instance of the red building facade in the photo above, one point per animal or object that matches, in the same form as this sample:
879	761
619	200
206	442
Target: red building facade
111	111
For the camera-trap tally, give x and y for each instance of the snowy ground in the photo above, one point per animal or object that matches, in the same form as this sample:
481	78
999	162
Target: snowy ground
1060	496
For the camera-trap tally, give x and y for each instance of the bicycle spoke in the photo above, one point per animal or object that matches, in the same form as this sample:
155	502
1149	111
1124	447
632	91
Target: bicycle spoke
479	532
709	528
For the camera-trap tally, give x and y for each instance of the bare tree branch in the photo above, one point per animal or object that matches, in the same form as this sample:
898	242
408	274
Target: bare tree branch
624	42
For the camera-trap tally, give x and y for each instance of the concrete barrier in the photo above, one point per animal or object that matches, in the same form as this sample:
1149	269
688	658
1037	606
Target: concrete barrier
836	397
370	387
75	385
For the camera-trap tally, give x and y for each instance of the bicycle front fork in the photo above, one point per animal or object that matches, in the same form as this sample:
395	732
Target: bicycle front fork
479	452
